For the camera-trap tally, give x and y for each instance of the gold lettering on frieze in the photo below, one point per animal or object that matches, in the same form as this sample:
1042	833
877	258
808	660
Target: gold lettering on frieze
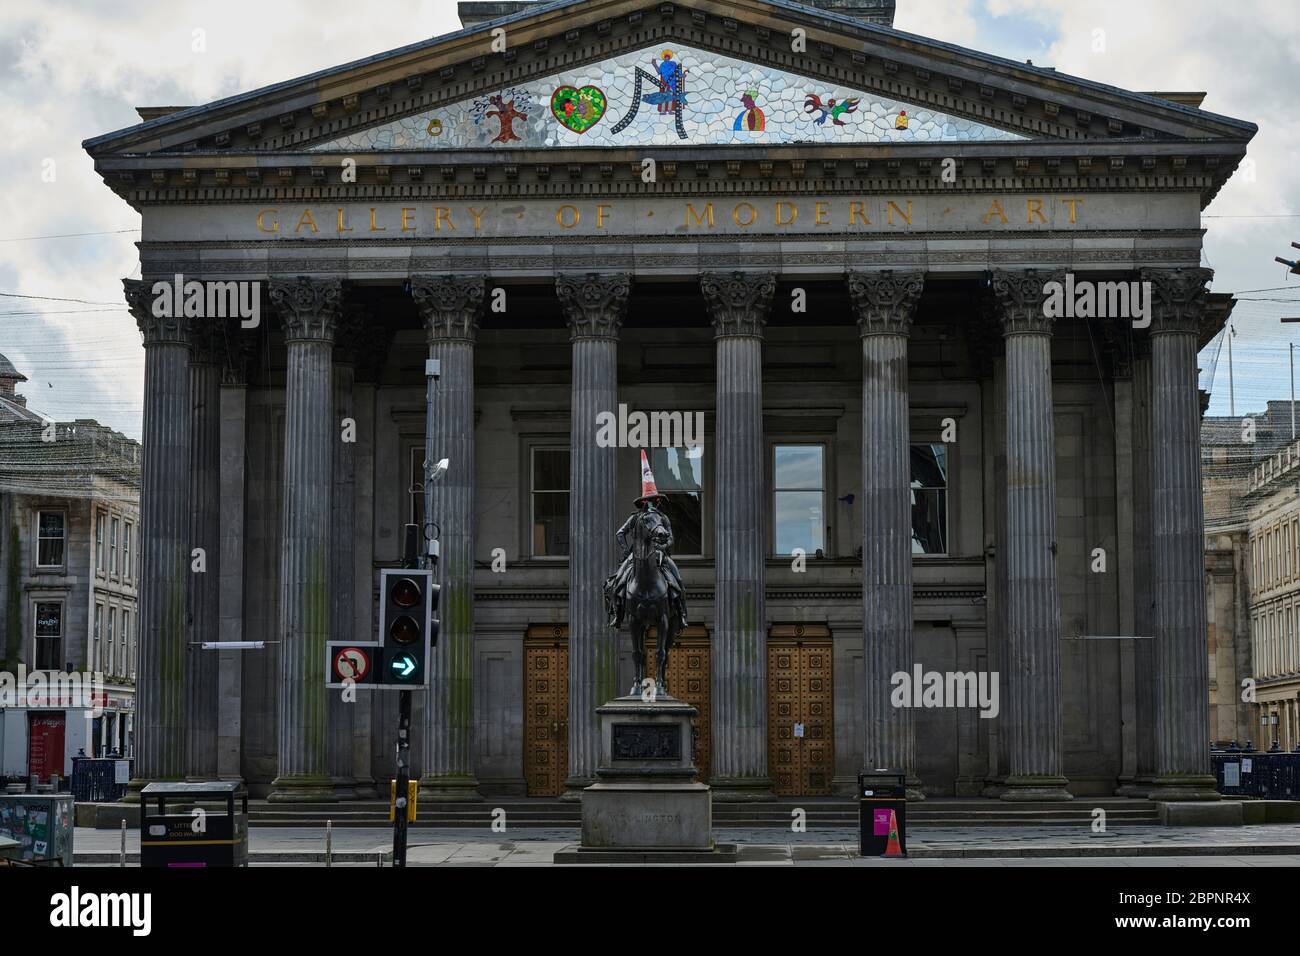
572	214
893	208
697	215
996	210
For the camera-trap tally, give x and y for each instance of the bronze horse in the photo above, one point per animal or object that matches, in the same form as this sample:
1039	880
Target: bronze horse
649	598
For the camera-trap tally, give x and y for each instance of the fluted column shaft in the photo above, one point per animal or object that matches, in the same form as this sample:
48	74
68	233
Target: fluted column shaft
1178	538
230	680
595	306
340	712
204	532
309	310
1033	604
450	307
1143	650
160	731
885	304
739	304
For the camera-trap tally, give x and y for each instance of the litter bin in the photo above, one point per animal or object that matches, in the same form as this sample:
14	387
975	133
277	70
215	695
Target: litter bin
882	813
192	836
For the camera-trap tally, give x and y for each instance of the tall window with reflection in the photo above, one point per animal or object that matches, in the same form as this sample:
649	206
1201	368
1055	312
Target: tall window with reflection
798	498
929	499
49	635
679	474
549	502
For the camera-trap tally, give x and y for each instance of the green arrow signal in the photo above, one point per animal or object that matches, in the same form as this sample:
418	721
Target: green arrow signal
404	665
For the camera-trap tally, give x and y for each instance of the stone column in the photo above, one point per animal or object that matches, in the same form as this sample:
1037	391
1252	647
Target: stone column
207	340
230	587
1144	660
450	307
354	323
885	304
595	306
1033	610
161	737
309	310
739	304
371	358
1179	298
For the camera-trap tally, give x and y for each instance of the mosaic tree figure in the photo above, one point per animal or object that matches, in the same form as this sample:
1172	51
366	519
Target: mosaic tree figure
506	114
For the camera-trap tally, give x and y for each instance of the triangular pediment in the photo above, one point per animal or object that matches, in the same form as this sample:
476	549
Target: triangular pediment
439	108
664	96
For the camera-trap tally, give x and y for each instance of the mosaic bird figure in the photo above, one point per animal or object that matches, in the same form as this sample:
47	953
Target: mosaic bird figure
831	110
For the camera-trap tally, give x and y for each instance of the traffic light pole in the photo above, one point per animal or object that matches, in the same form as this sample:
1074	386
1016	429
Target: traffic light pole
403	777
419	552
403	736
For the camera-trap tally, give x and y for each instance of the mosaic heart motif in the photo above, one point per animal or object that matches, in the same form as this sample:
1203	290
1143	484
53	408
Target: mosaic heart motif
578	109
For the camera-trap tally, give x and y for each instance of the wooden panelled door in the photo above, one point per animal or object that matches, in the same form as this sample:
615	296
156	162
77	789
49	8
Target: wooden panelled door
688	680
546	709
800	708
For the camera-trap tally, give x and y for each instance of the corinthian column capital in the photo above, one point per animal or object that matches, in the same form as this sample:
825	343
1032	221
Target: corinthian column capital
886	301
1178	298
450	306
156	329
595	304
355	324
1021	298
739	302
207	341
309	308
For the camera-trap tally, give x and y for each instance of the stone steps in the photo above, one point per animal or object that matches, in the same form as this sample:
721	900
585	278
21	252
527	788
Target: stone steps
820	813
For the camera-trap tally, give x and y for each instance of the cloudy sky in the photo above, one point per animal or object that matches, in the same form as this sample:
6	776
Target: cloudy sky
72	70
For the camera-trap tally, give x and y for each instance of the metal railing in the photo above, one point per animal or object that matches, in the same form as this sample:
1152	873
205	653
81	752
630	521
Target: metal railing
93	780
1244	773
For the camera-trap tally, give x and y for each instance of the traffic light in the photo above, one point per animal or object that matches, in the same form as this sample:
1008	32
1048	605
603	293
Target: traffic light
407	626
1293	266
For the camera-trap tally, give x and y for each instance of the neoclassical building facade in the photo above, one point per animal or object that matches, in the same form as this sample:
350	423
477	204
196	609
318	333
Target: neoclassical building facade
833	241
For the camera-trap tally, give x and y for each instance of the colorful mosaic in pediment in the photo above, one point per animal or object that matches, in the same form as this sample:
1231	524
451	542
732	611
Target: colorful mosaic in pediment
668	96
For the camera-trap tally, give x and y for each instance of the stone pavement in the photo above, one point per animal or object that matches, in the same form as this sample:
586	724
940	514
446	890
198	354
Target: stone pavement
1275	845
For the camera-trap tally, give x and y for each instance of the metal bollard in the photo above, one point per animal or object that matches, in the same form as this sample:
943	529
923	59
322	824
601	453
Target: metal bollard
329	841
122	857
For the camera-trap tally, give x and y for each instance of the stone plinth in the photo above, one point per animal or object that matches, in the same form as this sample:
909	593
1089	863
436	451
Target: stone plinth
645	799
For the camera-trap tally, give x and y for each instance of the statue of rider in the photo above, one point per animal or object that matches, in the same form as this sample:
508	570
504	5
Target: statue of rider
651	500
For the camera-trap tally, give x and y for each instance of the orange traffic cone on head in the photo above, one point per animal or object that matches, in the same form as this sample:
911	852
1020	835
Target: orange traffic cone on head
893	847
648	490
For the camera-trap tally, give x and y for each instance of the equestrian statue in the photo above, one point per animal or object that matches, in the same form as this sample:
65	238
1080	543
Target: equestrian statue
646	590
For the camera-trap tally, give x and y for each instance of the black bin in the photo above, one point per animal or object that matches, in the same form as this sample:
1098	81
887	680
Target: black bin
177	839
882	813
